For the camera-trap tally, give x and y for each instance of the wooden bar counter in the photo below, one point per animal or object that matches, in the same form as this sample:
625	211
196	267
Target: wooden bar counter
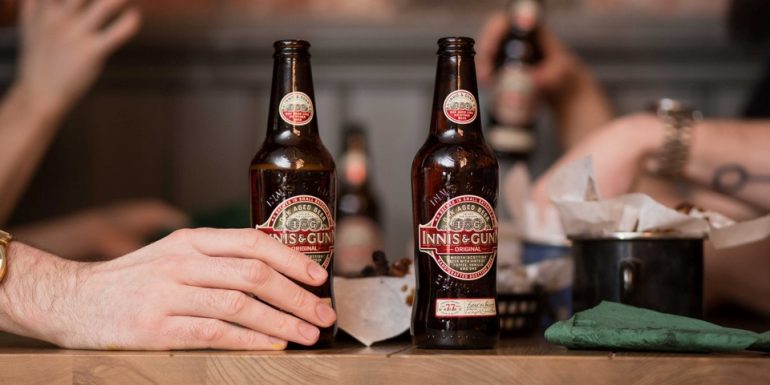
515	361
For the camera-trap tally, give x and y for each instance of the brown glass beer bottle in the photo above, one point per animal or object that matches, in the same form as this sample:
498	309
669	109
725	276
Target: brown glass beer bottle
292	175
514	99
454	193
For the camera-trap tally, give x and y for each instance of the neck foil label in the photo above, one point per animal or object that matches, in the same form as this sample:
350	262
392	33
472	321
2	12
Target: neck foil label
305	224
460	107
296	108
462	237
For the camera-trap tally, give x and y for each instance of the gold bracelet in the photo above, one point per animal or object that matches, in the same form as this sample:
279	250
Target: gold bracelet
5	242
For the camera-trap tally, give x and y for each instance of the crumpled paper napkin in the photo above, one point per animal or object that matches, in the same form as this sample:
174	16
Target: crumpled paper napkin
373	309
575	194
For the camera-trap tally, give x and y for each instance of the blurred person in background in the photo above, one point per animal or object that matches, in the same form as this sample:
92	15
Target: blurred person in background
727	167
64	45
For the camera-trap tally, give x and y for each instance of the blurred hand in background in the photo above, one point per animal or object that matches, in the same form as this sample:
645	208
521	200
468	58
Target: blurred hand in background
559	67
65	44
103	232
563	81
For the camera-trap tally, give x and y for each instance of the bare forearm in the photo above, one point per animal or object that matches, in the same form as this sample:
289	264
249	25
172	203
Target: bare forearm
672	195
582	107
27	126
739	275
732	157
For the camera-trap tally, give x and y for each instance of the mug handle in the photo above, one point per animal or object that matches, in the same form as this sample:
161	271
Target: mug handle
629	277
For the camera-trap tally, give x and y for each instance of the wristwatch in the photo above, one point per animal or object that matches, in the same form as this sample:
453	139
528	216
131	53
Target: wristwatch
5	241
678	122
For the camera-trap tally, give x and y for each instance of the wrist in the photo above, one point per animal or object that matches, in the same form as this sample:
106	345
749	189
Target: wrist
12	306
34	102
33	293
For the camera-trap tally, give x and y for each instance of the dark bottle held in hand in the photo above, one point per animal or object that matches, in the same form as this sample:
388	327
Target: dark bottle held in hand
514	99
292	176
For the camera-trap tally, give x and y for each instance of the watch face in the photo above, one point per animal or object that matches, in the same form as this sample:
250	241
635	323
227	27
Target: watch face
674	109
671	105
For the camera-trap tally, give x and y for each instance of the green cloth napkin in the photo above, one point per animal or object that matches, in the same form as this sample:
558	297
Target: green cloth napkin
614	326
763	342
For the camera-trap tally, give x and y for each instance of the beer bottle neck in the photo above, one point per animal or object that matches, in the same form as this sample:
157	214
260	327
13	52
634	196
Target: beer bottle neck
524	17
520	46
455	98
292	112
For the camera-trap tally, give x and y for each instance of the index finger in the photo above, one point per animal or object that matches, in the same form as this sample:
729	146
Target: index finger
254	244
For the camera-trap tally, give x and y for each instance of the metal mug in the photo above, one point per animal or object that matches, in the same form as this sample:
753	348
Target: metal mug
658	271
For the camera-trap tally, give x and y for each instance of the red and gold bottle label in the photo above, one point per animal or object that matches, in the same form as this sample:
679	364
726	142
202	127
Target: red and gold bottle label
305	224
514	106
515	99
462	237
460	107
296	108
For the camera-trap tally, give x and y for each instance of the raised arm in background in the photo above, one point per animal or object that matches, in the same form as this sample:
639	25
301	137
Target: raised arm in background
64	46
730	157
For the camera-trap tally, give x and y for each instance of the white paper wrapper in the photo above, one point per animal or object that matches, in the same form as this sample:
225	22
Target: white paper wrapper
373	309
574	192
741	233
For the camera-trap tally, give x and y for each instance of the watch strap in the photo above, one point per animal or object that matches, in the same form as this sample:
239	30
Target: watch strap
5	242
678	122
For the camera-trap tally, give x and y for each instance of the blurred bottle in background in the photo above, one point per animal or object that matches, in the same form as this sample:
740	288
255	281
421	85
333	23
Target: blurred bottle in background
514	98
359	225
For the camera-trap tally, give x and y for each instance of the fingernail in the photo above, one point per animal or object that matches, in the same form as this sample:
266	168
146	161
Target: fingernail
325	313
316	271
308	331
277	343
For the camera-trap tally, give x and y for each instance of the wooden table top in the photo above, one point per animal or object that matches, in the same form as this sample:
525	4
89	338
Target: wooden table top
515	361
